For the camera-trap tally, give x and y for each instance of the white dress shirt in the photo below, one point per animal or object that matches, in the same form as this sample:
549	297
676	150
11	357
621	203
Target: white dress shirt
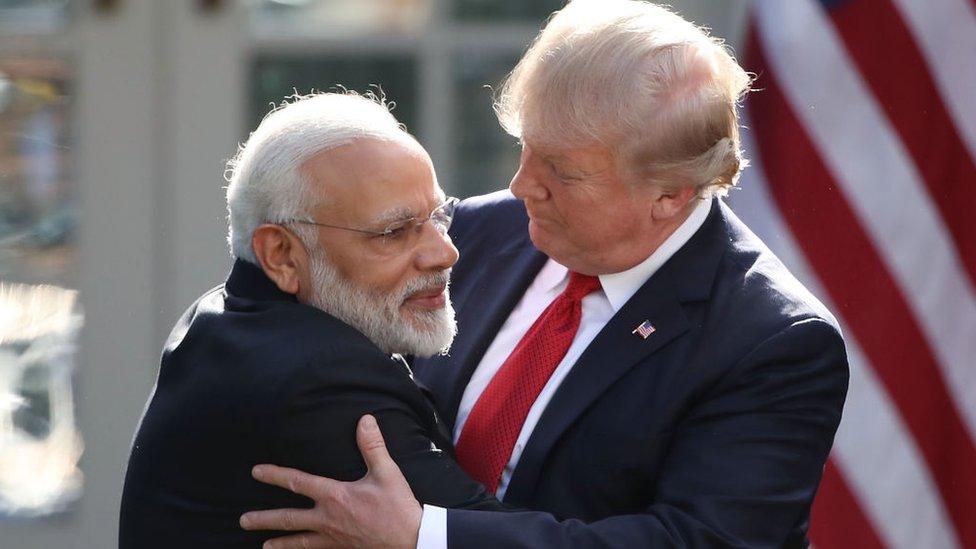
597	309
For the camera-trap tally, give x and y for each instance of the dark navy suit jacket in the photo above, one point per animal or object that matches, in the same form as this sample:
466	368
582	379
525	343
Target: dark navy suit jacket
712	432
251	376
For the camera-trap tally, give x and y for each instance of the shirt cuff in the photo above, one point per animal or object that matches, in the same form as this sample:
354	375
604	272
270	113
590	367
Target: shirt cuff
433	528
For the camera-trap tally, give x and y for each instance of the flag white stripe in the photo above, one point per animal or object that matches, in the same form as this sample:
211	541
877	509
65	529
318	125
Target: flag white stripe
873	449
885	468
873	169
945	31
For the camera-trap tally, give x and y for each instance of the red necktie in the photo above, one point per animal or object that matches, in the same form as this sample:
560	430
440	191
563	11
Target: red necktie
493	426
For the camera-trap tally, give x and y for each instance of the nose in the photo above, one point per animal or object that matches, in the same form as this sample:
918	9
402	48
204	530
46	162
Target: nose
525	184
437	251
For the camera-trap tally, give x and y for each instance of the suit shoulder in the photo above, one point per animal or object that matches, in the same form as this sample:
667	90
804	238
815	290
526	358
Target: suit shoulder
322	341
779	324
494	199
269	339
495	218
763	286
210	302
329	352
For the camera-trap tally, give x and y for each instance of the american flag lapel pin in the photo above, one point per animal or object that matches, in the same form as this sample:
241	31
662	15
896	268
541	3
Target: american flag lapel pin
644	329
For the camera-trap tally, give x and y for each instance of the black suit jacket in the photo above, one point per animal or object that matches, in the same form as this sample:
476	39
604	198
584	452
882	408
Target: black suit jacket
712	432
251	376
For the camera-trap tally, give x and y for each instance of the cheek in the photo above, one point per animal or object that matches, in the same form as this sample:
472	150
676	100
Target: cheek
387	275
367	271
586	218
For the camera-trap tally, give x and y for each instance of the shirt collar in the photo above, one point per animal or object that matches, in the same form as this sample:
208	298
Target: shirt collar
552	275
620	287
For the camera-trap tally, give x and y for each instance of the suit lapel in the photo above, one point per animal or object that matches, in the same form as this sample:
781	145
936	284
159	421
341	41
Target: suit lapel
500	283
687	277
614	351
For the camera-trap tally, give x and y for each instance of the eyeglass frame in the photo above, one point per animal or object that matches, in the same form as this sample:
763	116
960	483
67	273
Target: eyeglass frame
416	222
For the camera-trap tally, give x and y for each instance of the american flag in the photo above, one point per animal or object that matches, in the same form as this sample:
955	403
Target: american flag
645	329
863	142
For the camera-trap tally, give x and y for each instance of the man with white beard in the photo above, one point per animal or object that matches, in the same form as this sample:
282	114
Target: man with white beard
339	231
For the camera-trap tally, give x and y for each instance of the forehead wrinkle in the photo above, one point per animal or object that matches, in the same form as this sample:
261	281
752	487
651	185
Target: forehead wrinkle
587	166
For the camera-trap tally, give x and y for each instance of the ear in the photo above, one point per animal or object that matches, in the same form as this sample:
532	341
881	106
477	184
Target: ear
669	203
282	256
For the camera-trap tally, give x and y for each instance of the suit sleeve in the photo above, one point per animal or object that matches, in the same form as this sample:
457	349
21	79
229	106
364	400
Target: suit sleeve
317	426
742	469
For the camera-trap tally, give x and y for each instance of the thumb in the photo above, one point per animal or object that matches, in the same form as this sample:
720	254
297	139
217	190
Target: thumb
371	445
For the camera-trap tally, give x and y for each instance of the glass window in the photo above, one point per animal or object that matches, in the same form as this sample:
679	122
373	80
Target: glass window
487	157
340	17
33	16
39	315
38	199
277	76
489	11
358	43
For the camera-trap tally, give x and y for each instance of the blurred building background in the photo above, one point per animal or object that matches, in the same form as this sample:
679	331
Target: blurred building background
116	118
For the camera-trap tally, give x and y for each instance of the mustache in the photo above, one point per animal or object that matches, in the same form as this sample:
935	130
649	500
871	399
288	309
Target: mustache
426	282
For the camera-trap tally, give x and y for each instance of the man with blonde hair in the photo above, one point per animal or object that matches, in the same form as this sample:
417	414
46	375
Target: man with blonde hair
632	362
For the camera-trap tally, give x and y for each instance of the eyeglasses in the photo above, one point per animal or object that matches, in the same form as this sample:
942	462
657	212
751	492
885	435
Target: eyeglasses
402	234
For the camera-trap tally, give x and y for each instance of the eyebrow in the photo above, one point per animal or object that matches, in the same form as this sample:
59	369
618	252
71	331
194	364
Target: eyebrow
553	157
399	213
562	161
563	164
402	213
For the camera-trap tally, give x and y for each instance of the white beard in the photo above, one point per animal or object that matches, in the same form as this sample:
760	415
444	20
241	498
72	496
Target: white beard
378	316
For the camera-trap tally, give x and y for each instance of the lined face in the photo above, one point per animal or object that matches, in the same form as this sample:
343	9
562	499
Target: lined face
392	287
581	212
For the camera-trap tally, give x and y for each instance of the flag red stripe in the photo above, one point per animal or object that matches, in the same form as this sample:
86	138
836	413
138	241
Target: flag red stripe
915	109
858	281
837	519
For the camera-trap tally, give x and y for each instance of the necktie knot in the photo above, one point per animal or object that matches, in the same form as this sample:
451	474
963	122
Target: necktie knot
580	286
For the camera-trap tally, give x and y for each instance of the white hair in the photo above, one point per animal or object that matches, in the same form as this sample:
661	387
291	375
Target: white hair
266	183
377	315
639	79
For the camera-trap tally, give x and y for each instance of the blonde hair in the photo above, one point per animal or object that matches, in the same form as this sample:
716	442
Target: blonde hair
639	79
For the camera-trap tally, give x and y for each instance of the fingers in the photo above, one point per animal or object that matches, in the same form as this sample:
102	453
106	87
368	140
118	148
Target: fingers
299	541
290	520
371	445
294	480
